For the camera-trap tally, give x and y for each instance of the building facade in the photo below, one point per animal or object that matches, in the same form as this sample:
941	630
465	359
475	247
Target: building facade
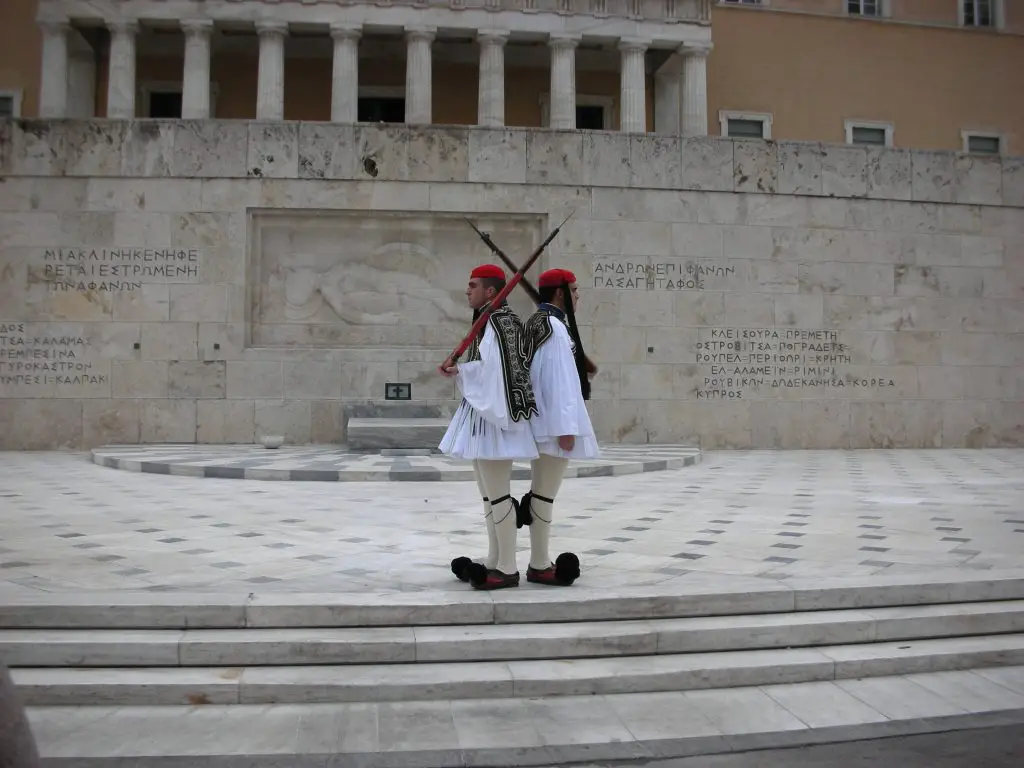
928	74
289	240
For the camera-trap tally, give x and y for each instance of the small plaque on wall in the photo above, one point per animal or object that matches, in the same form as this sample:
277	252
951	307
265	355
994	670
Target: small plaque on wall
401	391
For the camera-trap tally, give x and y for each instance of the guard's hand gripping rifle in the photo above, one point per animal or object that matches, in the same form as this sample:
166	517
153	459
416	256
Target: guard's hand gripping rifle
502	294
527	286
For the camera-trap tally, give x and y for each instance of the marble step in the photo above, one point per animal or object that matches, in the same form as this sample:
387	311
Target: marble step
397	645
374	434
487	733
701	595
512	679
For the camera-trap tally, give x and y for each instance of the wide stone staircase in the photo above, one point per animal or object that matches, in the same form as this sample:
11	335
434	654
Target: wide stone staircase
525	677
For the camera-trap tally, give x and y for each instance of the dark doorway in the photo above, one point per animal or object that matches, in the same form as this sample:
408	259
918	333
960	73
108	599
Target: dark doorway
378	109
590	118
165	104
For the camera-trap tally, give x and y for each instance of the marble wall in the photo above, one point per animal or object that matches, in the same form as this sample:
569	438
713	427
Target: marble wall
216	281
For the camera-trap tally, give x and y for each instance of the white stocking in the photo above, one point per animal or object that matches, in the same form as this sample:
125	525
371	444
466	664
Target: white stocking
497	479
546	478
492	539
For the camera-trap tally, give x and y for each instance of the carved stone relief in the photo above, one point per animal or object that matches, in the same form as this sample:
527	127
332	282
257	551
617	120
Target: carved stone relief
347	279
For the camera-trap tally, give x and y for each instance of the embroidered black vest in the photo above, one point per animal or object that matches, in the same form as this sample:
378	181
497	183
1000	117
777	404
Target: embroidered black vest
515	348
538	329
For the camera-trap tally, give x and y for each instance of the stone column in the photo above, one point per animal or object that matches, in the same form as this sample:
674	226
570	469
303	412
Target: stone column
695	89
345	81
633	98
270	90
419	89
563	81
195	91
53	86
491	109
121	74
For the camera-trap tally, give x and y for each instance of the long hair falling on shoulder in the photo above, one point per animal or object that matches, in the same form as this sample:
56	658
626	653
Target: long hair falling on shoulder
578	354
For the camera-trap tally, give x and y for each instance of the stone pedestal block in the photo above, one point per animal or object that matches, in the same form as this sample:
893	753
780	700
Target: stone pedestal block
376	434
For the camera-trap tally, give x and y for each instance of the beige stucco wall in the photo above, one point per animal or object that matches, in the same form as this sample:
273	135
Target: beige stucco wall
932	12
20	50
813	72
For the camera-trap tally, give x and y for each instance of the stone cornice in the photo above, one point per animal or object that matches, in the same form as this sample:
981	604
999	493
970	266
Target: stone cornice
396	15
636	10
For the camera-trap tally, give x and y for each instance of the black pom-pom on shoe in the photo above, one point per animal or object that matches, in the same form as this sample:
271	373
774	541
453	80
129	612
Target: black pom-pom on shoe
567	568
524	516
477	574
460	567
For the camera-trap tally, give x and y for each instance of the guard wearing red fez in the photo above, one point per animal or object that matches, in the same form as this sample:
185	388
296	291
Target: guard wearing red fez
492	426
562	425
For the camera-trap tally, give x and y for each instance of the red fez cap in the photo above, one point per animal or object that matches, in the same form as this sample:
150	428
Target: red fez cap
489	270
556	277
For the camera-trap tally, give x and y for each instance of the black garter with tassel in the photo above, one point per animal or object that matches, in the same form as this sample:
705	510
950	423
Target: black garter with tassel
524	513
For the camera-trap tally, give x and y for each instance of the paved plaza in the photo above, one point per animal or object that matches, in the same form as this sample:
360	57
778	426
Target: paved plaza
69	525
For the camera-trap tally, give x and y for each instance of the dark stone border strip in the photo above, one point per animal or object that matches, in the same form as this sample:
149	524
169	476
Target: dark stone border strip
615	467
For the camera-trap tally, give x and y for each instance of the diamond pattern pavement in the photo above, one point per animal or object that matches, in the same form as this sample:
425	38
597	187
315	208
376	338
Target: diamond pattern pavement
69	525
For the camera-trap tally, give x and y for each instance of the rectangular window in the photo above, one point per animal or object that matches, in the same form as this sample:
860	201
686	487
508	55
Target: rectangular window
868	133
381	109
738	124
864	7
979	13
872	136
983	143
741	128
10	104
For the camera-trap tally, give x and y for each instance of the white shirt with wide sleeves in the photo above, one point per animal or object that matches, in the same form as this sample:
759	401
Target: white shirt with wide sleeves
482	427
560	404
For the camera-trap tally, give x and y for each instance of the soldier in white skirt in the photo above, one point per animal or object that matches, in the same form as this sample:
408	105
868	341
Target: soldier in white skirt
492	426
562	425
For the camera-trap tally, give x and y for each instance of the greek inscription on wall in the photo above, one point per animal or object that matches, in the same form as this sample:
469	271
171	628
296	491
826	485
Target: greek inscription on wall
36	361
738	362
113	270
665	275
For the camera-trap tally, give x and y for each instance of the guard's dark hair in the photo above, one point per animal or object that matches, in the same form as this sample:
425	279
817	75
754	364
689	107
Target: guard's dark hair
578	353
547	293
492	282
